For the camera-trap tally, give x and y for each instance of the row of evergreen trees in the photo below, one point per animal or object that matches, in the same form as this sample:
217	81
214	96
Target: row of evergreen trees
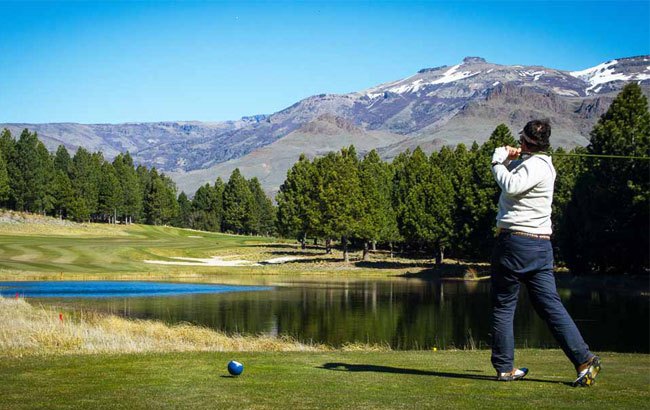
238	206
86	187
447	202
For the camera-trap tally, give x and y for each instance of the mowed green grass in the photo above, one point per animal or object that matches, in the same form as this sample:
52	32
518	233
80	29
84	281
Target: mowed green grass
103	249
387	380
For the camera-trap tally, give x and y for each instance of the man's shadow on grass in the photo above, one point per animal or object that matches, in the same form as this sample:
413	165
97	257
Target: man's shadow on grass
397	370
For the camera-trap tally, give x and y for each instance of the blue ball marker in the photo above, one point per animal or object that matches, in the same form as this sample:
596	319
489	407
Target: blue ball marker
235	368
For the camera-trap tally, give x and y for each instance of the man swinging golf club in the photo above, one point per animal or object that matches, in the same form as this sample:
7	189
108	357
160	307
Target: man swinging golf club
523	254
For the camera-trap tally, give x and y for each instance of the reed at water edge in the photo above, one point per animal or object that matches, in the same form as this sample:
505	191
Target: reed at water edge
31	330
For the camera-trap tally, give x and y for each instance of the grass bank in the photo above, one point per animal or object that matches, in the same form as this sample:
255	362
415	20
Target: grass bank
300	380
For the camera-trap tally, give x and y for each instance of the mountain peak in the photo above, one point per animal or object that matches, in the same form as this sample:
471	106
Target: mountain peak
473	60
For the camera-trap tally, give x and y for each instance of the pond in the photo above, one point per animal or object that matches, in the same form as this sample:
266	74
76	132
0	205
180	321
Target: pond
411	313
112	289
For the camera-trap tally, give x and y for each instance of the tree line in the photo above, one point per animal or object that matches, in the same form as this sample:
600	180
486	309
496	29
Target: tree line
444	203
238	206
87	187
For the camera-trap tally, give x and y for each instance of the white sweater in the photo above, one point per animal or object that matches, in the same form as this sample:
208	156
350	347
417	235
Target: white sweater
526	194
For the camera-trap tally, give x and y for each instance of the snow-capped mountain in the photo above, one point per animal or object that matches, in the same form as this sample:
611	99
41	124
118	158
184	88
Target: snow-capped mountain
433	107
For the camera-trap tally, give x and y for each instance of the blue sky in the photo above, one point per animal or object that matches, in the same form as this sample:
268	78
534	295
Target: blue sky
117	62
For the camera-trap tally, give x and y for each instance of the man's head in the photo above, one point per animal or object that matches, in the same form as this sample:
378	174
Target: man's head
536	135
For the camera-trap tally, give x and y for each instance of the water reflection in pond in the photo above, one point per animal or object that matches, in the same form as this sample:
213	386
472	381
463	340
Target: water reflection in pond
404	313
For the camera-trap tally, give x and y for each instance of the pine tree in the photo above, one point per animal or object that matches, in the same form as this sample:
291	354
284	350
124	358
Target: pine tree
62	160
457	166
412	174
85	182
218	187
608	217
237	204
62	190
7	145
206	209
161	206
7	150
46	200
254	211
297	202
440	205
132	194
63	193
265	218
339	196
110	197
378	220
184	211
144	185
28	179
399	190
4	180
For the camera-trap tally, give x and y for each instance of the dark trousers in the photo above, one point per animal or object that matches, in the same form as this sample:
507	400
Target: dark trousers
519	259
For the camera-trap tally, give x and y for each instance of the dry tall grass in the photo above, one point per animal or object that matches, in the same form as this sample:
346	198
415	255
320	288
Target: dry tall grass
29	330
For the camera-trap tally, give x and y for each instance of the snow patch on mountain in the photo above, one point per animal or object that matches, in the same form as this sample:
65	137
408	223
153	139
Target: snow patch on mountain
605	73
413	86
593	72
451	75
535	74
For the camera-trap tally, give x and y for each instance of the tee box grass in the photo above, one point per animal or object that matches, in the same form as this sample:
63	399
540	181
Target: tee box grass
332	380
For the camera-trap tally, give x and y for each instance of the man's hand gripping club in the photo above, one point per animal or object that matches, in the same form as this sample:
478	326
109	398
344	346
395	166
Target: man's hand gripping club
501	154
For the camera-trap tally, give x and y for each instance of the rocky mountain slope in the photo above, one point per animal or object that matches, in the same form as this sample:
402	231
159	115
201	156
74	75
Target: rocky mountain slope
433	107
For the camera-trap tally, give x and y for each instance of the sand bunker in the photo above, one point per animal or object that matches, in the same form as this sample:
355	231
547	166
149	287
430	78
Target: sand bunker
220	261
280	260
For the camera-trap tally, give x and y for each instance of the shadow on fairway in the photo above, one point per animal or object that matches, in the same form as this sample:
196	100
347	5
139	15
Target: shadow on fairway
387	369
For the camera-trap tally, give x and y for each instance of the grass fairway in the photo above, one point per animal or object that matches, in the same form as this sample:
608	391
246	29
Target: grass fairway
443	379
106	249
102	251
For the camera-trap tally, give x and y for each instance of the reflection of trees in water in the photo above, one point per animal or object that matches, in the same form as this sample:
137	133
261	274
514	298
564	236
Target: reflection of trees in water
406	314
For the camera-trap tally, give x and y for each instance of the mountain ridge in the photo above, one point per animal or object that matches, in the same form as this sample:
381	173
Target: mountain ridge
436	106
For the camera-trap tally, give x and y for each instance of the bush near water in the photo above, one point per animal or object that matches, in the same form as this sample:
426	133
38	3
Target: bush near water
444	203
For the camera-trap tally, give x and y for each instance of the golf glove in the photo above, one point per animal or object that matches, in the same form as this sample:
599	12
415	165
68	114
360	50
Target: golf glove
500	155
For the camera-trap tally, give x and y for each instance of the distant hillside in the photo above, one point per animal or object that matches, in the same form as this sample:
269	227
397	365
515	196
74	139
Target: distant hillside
271	162
434	107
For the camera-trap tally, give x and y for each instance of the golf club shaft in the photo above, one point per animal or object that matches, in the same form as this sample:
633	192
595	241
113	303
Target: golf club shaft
570	154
